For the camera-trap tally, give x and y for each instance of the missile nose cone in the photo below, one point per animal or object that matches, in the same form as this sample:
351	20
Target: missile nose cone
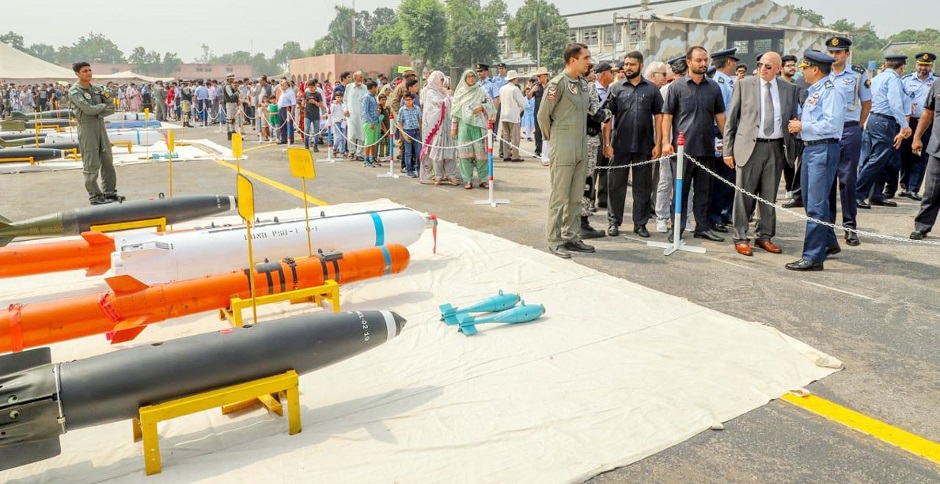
393	324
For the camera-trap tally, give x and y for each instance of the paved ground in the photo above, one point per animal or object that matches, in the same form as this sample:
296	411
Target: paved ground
876	307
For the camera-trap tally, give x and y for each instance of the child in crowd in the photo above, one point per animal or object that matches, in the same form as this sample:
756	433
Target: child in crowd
338	122
265	127
409	122
384	115
370	124
273	121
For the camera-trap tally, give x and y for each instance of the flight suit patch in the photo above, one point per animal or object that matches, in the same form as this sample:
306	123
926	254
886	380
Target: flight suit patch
868	83
572	88
552	93
87	96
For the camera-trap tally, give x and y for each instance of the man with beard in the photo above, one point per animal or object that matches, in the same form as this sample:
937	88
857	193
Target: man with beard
917	84
636	105
693	106
352	101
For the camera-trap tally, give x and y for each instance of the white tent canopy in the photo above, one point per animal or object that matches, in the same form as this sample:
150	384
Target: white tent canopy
131	76
16	65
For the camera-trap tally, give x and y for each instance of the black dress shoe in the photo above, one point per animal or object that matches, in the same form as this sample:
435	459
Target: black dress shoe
795	203
613	230
888	196
709	235
560	251
804	265
578	246
641	231
903	193
851	238
883	202
114	197
915	235
862	204
835	249
720	228
99	200
915	197
591	233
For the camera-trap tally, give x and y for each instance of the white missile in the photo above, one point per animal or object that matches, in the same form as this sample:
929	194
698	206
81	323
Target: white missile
173	256
138	137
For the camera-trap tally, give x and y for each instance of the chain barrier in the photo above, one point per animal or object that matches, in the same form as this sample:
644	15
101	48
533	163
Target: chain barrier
806	217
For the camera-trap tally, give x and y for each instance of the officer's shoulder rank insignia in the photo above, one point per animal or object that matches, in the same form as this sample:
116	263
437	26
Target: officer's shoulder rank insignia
73	91
857	68
829	85
552	93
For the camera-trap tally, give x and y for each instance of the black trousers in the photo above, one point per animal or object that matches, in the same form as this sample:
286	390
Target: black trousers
617	189
600	178
693	176
930	205
538	139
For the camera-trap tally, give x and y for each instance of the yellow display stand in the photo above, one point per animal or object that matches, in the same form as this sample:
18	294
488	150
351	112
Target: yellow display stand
127	144
28	158
328	293
145	426
159	223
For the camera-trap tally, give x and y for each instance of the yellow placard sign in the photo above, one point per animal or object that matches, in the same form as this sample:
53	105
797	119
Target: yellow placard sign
246	199
170	141
301	163
237	146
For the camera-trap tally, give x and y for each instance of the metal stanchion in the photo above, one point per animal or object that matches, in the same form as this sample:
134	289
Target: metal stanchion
678	243
391	149
491	201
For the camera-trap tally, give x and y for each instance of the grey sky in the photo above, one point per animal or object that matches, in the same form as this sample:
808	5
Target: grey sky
259	26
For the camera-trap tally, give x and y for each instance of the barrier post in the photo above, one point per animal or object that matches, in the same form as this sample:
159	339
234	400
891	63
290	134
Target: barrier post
491	201
391	149
678	243
329	142
170	145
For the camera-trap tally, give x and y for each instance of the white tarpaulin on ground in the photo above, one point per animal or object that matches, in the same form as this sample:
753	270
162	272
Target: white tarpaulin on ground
612	373
131	76
18	66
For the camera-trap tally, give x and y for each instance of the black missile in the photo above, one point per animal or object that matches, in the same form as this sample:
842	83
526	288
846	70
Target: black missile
37	154
15	136
40	400
47	123
74	222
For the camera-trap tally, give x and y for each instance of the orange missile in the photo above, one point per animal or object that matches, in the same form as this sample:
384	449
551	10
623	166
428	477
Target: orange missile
131	305
92	252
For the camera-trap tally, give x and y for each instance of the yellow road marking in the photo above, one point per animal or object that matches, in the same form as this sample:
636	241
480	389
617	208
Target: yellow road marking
267	181
246	150
900	438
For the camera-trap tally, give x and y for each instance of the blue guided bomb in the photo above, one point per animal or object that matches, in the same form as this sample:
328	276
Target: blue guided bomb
500	302
519	314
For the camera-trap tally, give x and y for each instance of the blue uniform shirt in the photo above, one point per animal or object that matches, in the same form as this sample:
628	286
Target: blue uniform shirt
823	113
490	87
499	81
889	97
853	83
917	90
726	84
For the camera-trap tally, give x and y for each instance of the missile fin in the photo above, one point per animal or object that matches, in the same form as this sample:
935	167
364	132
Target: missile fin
97	238
128	330
125	284
97	269
468	329
5	240
5	224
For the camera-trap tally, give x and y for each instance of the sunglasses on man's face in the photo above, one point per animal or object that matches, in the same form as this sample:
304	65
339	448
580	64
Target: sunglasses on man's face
761	65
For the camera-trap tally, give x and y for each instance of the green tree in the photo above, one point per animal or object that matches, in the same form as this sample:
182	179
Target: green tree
237	57
170	63
539	30
386	39
473	37
808	14
12	39
926	36
863	37
423	28
261	65
139	58
290	50
94	48
45	52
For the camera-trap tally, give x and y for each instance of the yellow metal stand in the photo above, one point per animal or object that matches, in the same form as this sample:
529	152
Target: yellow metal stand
159	223
128	144
145	426
328	293
29	159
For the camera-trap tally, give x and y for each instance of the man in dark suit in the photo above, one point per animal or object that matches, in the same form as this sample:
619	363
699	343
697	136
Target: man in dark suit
757	144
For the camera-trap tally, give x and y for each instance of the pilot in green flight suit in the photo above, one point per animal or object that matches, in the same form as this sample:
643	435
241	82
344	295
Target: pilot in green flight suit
562	117
91	105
